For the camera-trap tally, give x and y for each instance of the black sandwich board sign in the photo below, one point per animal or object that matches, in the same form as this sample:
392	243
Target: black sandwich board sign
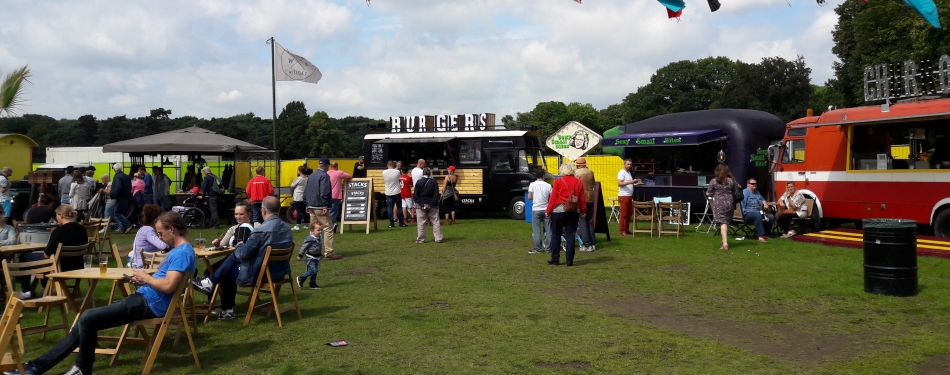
358	203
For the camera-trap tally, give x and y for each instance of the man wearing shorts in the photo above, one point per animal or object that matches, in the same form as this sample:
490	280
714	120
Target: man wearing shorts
406	182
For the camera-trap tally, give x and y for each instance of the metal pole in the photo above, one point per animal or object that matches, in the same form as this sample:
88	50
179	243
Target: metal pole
273	82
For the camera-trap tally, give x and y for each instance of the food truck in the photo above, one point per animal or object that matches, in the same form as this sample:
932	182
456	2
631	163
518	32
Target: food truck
890	160
494	166
675	154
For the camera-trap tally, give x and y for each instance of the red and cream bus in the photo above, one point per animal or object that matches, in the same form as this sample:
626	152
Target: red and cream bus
883	161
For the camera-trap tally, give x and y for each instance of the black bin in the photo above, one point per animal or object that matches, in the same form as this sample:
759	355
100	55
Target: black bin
890	257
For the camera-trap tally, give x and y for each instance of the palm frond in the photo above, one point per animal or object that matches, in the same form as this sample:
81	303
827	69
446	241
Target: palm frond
11	90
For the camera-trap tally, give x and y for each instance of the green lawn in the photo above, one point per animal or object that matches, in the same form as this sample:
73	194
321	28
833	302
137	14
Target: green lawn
479	304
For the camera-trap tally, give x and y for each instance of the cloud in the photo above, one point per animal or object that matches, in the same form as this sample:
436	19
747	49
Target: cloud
228	96
208	58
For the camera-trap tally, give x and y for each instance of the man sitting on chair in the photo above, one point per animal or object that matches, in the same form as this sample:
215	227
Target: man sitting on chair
755	211
242	267
151	300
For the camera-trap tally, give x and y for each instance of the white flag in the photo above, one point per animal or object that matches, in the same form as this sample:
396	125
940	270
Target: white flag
291	67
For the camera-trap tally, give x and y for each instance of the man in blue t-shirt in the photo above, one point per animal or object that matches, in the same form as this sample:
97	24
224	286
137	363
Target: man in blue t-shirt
755	210
151	300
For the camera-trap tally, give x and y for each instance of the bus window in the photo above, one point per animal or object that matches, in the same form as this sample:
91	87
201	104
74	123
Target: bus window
471	152
531	160
503	161
794	151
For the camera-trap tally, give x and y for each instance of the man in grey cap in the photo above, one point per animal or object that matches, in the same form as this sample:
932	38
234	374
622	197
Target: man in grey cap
318	196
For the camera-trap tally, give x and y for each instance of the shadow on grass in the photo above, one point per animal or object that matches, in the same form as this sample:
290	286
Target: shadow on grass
210	356
605	259
320	311
356	253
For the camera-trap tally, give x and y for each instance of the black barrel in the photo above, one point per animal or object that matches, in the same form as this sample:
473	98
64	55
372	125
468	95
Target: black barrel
890	257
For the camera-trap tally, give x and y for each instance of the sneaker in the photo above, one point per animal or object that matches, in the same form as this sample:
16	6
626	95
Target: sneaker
27	368
74	371
226	314
299	281
314	287
296	227
591	248
535	251
332	257
403	225
25	295
391	226
203	285
420	241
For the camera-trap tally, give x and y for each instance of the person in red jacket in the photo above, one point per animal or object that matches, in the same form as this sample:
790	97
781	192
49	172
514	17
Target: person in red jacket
259	188
563	221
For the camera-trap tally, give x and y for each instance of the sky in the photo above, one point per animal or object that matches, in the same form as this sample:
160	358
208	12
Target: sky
209	58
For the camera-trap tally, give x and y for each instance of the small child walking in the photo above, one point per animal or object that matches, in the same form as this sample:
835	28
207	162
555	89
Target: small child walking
313	248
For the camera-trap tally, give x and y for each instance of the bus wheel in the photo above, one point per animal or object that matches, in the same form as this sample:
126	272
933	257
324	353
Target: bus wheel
516	208
942	224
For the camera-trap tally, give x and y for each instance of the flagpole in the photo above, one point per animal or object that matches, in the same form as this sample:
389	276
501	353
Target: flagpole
273	83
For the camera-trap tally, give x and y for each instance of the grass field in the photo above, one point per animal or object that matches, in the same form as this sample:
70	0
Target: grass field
479	304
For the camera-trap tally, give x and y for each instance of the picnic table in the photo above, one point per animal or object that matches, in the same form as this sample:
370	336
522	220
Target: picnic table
8	250
206	254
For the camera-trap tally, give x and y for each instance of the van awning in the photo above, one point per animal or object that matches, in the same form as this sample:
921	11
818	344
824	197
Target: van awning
677	138
415	140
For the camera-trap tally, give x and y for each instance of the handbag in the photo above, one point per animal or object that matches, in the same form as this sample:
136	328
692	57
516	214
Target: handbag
571	205
737	195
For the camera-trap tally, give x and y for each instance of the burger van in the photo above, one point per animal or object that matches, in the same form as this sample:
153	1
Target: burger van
494	167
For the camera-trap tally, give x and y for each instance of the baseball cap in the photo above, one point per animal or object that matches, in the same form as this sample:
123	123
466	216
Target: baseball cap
451	168
325	161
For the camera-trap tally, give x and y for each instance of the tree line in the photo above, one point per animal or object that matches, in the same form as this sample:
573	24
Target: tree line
867	33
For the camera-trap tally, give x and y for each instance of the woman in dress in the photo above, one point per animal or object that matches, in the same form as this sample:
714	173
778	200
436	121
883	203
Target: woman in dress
146	240
79	194
720	188
563	220
448	204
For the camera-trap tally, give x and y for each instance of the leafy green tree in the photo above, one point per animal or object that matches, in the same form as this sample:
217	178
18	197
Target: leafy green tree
775	85
66	134
679	87
89	127
824	96
585	114
11	90
352	130
508	121
612	116
293	140
878	32
326	137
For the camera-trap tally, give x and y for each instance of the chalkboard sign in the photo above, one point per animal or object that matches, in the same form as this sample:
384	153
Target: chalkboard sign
358	202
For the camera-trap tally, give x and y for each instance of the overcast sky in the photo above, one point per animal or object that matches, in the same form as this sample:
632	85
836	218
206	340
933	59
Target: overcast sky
208	58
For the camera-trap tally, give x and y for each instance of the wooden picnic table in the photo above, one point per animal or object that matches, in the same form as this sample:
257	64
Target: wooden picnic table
21	248
206	254
94	276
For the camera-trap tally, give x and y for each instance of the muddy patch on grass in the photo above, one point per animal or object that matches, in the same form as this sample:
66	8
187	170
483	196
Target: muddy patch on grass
777	340
563	366
936	365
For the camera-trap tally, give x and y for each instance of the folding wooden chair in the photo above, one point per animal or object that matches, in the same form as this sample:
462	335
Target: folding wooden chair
105	236
27	269
118	253
266	283
9	323
670	214
174	316
643	212
92	231
64	252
